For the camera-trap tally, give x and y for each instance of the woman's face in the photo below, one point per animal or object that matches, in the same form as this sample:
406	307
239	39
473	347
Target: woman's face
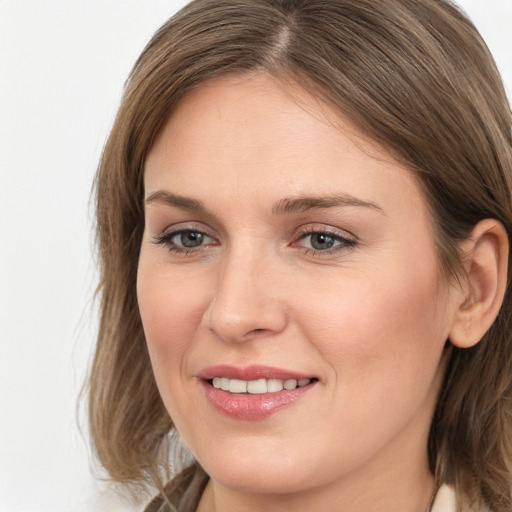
279	248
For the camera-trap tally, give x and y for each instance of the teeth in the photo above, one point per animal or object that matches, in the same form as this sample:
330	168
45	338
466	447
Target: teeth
290	384
257	387
238	386
274	385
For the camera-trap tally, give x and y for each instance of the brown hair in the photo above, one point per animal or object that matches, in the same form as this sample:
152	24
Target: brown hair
416	77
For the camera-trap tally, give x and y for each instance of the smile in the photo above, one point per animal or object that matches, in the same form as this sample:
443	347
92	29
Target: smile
259	386
255	392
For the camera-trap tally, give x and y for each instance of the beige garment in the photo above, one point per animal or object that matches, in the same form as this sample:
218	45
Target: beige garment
445	500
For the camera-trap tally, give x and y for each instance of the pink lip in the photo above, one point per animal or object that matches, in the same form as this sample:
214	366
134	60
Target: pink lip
253	372
247	406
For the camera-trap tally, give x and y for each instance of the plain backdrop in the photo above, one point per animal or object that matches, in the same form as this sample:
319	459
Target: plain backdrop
62	68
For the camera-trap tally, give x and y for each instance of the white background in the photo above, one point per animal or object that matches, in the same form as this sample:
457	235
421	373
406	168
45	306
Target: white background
62	67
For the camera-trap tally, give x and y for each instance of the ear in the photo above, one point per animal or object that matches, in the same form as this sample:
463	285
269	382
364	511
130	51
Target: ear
485	260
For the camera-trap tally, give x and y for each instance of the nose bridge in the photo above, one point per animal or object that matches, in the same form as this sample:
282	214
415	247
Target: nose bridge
245	304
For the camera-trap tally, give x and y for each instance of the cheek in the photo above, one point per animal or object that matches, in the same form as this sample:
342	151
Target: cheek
383	338
384	330
171	308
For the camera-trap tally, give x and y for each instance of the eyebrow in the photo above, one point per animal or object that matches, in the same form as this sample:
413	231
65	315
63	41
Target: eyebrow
305	203
284	206
182	202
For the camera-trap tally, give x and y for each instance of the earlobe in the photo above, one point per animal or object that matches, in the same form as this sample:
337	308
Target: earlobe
483	285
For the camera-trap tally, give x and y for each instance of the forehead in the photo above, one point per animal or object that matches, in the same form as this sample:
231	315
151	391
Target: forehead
253	135
223	97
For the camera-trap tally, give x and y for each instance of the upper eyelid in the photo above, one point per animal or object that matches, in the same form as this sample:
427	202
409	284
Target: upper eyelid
174	231
298	232
168	234
179	227
324	228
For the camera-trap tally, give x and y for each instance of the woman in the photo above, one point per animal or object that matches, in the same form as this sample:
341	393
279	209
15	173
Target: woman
304	215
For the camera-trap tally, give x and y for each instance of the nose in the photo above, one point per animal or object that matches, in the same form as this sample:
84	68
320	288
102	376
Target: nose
246	301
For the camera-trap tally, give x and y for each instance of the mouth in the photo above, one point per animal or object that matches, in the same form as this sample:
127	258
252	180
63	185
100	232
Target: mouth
255	392
259	386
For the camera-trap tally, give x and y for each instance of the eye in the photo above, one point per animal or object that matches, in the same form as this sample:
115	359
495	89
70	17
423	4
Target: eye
189	239
184	240
323	240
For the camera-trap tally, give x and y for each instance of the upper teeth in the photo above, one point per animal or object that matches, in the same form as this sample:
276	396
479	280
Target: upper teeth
256	387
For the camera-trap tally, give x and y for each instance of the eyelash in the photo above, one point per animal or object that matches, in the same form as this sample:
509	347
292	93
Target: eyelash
165	239
343	242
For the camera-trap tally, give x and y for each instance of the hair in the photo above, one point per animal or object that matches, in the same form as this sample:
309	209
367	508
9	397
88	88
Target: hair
416	77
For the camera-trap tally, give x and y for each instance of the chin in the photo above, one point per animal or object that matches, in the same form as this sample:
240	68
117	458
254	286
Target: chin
254	479
265	470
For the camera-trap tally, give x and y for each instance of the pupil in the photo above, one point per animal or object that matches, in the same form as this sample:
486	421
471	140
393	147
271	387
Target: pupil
321	241
191	239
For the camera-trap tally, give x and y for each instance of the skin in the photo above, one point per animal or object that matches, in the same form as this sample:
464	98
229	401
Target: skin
369	319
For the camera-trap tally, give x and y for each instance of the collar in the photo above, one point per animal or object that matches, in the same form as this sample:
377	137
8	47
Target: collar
445	500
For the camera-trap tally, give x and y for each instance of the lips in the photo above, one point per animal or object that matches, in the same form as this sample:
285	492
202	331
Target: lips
253	392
